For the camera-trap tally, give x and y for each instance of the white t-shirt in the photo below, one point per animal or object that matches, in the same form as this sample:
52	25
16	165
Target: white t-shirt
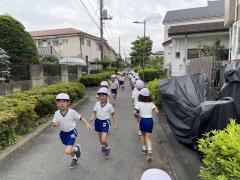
68	121
114	85
145	109
103	113
135	95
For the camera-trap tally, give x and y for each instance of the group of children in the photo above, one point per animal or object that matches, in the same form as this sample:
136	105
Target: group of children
143	112
66	118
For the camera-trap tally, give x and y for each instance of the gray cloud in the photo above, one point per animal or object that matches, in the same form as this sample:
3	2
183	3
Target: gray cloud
45	14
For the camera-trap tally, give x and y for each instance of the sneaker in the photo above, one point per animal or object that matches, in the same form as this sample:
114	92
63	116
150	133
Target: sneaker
73	164
144	152
78	152
103	150
150	156
107	152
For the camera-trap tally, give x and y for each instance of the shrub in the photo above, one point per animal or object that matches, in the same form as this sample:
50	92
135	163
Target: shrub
49	59
94	80
16	41
149	74
153	87
221	153
21	112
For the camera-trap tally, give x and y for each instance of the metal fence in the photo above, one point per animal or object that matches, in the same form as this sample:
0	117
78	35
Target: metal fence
20	72
51	70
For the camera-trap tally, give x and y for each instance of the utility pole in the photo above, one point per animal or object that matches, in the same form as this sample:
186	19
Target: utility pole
119	52
101	28
103	16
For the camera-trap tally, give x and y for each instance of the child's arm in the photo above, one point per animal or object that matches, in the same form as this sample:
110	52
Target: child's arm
156	110
55	123
93	117
88	126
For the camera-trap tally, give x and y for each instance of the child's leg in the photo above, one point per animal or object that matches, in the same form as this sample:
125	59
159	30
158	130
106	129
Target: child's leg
148	141
70	150
143	141
104	139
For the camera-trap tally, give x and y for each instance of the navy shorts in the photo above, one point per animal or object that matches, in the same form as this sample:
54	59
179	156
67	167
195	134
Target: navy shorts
114	91
68	138
146	125
102	125
121	82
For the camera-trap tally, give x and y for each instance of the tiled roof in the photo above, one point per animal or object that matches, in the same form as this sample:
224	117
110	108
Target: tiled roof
214	9
197	28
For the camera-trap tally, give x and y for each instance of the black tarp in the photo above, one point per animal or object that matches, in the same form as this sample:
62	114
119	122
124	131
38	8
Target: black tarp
232	86
189	111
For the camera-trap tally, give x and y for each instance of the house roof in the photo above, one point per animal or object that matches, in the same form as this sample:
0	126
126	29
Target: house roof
59	32
214	9
197	28
166	42
158	53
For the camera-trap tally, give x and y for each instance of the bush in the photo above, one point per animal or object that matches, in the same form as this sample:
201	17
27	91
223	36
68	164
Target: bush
49	59
16	41
153	87
149	74
221	152
94	80
21	112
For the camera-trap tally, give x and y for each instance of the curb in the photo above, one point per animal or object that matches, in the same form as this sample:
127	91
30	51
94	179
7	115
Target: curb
28	137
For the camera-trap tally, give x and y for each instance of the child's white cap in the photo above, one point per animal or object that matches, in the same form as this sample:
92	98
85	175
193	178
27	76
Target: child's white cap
104	83
113	76
155	174
137	77
139	84
145	92
103	90
62	96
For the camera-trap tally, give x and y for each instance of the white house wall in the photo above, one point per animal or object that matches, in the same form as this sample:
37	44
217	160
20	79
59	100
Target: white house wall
178	45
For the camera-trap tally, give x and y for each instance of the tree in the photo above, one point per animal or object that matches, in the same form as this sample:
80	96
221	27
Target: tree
4	66
17	42
141	50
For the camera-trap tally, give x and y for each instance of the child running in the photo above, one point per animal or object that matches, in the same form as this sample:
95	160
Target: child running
138	86
146	107
114	88
103	84
121	81
66	118
101	115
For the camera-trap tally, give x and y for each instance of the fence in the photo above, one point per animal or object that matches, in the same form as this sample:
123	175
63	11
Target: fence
36	75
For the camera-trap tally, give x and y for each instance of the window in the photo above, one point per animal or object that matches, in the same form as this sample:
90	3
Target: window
40	43
55	42
82	40
177	55
98	47
192	53
89	43
64	41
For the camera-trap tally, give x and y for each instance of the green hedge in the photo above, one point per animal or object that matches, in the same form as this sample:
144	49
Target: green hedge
23	111
94	80
151	74
153	87
221	153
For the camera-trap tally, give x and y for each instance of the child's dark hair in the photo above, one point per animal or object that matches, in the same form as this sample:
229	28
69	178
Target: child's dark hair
142	98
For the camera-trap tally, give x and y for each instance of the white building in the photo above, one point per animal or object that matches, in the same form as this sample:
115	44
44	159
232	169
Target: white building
69	42
186	29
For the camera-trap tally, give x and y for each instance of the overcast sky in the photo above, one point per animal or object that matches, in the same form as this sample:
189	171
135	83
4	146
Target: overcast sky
51	14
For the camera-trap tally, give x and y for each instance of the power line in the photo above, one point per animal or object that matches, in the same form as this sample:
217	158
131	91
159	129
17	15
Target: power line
89	13
89	2
94	18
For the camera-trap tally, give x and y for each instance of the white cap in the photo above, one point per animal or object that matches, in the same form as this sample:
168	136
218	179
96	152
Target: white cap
113	76
104	83
133	80
155	174
137	77
103	90
145	92
139	84
62	96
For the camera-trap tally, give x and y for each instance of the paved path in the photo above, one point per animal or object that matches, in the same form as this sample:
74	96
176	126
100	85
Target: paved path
43	157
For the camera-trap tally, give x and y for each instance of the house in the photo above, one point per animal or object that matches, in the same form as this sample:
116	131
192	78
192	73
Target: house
70	42
157	54
187	29
232	21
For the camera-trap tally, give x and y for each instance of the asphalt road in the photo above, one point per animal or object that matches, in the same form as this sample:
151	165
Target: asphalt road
43	157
